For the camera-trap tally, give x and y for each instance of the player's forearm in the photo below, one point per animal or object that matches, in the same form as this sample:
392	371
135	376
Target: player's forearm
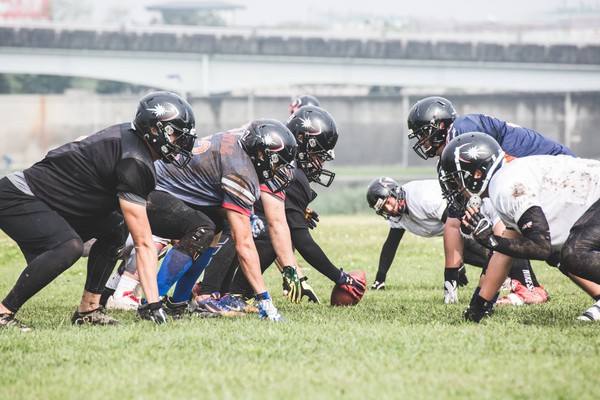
313	254
453	243
146	261
497	271
250	265
282	243
389	248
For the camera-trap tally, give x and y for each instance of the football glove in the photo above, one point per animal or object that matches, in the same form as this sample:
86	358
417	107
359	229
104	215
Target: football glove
481	229
353	284
308	291
311	217
292	288
462	276
478	309
267	310
257	225
153	312
450	292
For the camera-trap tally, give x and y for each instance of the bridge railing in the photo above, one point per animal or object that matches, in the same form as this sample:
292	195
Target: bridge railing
245	42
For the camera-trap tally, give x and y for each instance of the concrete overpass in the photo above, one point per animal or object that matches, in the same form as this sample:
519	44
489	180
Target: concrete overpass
212	62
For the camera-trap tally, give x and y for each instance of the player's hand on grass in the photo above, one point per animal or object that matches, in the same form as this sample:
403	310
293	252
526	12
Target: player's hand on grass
450	292
478	309
267	310
292	287
308	291
153	312
311	217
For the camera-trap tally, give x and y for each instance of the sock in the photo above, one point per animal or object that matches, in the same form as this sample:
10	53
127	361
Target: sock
175	264
183	290
451	274
126	284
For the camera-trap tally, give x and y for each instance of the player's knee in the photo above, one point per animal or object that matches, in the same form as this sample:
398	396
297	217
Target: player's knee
71	250
569	259
197	240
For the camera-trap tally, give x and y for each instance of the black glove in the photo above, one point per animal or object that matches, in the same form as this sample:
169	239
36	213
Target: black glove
481	228
311	217
308	291
462	276
153	312
478	309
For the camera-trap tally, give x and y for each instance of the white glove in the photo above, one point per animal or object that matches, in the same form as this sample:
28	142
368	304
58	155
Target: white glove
267	310
450	292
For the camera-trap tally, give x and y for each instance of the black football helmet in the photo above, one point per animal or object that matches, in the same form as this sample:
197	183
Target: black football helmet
468	162
166	122
428	122
301	101
272	149
380	190
316	134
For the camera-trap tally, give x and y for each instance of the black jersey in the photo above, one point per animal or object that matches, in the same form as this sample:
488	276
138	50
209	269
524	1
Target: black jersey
84	178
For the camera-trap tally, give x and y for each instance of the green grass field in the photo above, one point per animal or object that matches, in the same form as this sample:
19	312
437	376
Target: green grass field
402	343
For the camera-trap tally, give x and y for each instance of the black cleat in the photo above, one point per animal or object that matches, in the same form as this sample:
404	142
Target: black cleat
8	320
378	285
94	317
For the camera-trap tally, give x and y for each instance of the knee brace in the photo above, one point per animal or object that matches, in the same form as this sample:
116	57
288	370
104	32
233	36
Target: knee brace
195	242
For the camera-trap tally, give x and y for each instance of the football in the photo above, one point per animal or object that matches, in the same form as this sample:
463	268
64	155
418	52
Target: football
341	297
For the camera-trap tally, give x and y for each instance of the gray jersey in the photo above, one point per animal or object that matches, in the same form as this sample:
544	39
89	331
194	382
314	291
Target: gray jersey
219	174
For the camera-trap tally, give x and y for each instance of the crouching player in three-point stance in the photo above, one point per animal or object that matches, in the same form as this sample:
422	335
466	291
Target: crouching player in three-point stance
420	208
432	121
316	133
71	196
549	204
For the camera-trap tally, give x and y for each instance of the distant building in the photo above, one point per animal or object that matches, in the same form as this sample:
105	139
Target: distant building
205	13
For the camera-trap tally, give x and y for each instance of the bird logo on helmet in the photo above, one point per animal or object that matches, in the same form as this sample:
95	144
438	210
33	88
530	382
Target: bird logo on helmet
167	123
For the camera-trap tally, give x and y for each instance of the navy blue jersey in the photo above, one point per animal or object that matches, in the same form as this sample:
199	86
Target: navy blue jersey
515	140
219	174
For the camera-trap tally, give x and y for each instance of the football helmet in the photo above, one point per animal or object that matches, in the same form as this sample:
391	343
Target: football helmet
378	193
468	162
166	122
428	122
272	149
316	134
301	101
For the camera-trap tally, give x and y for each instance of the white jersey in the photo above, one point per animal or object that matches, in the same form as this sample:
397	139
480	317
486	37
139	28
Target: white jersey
564	187
425	209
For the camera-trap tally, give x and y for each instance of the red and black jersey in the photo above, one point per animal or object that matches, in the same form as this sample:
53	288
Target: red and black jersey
220	174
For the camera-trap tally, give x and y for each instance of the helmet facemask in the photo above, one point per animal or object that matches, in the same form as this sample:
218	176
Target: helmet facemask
276	172
311	159
430	138
175	144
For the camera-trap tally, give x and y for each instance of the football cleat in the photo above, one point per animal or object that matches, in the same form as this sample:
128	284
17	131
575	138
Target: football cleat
8	320
521	295
123	301
212	306
94	317
378	285
175	310
591	314
237	303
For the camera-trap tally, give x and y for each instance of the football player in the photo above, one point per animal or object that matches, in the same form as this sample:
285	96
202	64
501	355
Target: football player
72	194
226	176
433	121
420	208
316	133
301	101
549	203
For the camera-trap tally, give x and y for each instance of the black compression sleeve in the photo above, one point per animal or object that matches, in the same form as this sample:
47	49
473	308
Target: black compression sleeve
534	242
388	252
313	254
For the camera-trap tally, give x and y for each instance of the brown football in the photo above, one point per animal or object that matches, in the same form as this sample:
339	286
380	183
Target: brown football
340	297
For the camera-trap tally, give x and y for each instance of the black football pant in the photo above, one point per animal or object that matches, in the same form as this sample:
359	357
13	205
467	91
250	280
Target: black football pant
51	243
580	255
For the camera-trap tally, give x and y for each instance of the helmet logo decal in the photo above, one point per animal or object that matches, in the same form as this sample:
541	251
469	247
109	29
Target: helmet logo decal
274	142
473	153
307	124
164	112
